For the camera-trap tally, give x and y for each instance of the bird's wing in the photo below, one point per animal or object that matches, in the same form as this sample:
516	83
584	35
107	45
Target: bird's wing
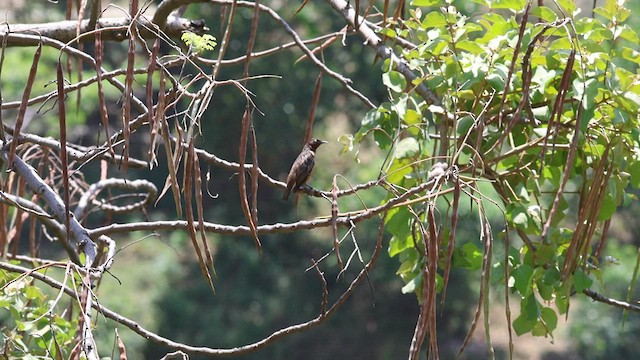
304	170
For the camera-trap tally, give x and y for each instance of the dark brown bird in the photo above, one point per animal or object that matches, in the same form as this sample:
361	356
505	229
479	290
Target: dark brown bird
302	167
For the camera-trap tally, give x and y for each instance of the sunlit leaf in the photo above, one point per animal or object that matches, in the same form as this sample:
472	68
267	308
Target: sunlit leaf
426	2
394	81
406	148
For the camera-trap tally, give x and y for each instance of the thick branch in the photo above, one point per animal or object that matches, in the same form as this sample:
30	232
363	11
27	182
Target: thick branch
47	220
166	7
78	233
113	29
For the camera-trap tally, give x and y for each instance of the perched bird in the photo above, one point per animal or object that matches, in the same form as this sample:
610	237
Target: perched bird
302	167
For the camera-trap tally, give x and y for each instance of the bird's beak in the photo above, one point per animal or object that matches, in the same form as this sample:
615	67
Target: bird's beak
322	141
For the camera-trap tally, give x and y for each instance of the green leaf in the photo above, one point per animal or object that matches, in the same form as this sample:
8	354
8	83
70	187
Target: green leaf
399	106
406	148
522	325
529	313
539	329
546	291
199	43
563	297
412	117
32	293
470	46
382	139
434	19
394	81
398	223
463	125
607	208
629	34
399	171
550	319
412	285
516	5
530	307
398	245
347	144
551	276
373	118
547	324
408	265
521	218
42	331
568	6
388	32
542	77
545	254
545	13
427	3
581	281
522	276
634	171
472	256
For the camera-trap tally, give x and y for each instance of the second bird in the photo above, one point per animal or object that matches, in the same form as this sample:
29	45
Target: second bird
302	167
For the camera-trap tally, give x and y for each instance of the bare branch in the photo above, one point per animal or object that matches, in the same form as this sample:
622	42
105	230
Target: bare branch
300	43
145	189
384	51
24	39
134	326
617	303
79	153
112	29
341	220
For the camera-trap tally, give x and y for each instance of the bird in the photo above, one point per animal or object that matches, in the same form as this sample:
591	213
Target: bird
302	167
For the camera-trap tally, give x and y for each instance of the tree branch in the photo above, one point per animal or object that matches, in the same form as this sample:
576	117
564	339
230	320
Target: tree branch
112	29
47	220
78	233
144	188
346	82
79	153
617	303
166	7
26	39
384	51
342	220
134	326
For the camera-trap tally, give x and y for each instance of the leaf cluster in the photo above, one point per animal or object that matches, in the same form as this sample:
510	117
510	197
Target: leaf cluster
539	102
30	327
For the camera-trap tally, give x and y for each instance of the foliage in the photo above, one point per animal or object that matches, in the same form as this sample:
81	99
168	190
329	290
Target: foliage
199	43
540	102
30	327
